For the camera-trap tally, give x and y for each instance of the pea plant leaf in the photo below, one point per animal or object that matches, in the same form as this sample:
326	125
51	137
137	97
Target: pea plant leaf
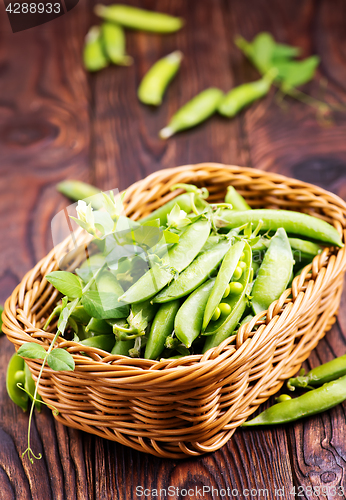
283	51
32	350
60	360
104	305
296	73
67	283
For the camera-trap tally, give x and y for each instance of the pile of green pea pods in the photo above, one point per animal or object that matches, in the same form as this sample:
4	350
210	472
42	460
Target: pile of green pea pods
274	61
227	264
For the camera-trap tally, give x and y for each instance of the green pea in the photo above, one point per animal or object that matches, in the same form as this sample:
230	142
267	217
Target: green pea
241	264
93	55
224	308
156	80
235	287
113	38
201	107
139	19
242	257
239	97
227	291
19	377
237	273
216	314
283	397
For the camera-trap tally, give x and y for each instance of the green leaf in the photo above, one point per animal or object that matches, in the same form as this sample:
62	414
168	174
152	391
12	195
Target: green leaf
60	360
103	222
146	236
170	237
262	51
154	223
104	305
31	350
67	283
295	73
283	51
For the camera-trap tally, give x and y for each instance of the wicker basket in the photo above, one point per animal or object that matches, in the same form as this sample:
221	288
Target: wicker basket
193	405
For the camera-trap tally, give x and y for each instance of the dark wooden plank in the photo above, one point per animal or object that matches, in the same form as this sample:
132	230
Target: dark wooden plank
44	137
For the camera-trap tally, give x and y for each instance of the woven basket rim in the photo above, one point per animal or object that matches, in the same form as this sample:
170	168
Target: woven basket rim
214	355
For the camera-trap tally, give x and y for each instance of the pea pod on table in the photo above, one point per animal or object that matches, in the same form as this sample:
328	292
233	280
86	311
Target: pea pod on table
93	55
113	39
198	109
161	327
78	190
139	19
156	80
18	373
316	401
178	257
243	95
274	273
320	375
293	223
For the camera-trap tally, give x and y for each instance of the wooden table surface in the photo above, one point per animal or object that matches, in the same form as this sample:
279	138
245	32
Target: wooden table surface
57	122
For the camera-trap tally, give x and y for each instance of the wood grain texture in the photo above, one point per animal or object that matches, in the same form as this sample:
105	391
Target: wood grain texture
58	122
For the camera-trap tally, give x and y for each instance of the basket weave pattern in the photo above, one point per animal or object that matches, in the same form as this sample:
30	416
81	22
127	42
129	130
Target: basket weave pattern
190	406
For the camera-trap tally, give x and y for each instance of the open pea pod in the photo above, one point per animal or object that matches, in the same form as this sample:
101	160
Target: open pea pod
274	274
231	322
195	274
224	276
232	300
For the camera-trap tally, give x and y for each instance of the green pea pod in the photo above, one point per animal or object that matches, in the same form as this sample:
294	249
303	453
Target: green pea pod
16	375
93	55
80	315
78	190
321	374
293	223
229	325
178	257
223	278
195	274
189	318
232	299
139	19
99	327
274	273
201	107
104	342
316	401
239	97
184	202
113	38
161	327
304	250
156	80
122	347
30	386
236	199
